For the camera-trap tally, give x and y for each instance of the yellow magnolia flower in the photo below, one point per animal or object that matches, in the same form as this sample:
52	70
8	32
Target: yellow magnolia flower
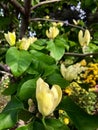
47	17
26	42
60	24
52	32
72	71
11	38
76	22
84	40
32	39
48	99
54	24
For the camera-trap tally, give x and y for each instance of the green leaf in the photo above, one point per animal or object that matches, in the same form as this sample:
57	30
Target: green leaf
89	2
14	104
25	115
56	48
56	124
38	45
4	22
42	64
56	78
18	61
8	117
38	124
92	48
11	89
81	119
42	57
34	2
27	90
29	126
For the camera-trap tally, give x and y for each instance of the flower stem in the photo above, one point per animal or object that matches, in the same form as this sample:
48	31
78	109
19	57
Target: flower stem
43	121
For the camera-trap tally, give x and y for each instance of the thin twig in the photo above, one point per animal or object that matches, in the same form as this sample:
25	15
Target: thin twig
54	20
44	2
80	54
3	72
18	6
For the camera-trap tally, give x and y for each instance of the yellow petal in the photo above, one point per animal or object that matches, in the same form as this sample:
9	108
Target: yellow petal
47	98
41	86
45	103
87	37
63	70
57	94
80	37
84	40
24	44
52	32
11	38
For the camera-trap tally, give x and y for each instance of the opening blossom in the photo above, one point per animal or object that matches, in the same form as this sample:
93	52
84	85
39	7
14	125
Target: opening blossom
47	99
84	40
10	38
52	32
26	42
71	72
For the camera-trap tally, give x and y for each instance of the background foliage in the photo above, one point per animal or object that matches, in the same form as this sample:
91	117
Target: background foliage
43	59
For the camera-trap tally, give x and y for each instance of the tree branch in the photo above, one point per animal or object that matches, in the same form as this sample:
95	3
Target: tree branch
4	6
80	54
54	20
18	6
44	2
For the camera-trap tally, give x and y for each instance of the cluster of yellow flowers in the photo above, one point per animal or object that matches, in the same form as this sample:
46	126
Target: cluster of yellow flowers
81	72
87	100
72	72
64	118
23	44
90	76
53	30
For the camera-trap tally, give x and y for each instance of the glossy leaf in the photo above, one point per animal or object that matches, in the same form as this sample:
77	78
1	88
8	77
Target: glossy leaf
8	117
56	48
18	61
56	78
27	90
42	64
81	119
56	124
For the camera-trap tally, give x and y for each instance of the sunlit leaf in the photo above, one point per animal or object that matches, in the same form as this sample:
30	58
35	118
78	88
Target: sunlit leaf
18	61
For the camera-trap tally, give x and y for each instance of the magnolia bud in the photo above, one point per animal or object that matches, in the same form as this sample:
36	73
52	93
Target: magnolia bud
52	32
84	40
48	99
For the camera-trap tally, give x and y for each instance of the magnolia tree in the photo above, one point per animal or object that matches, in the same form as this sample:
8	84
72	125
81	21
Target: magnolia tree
49	64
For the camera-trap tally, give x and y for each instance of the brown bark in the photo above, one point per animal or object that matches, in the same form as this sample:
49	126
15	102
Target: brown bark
25	18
